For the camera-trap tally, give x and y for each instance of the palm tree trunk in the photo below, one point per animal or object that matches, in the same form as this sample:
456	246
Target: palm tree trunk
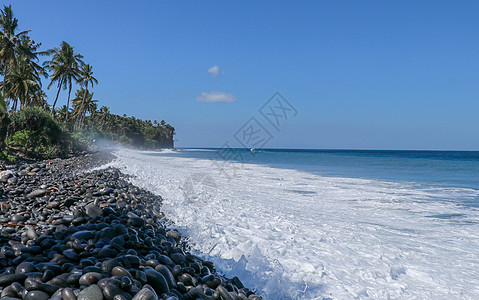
4	81
68	102
83	104
58	93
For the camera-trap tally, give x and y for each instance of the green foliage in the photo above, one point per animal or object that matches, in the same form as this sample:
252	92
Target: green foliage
37	125
36	132
7	155
130	130
4	122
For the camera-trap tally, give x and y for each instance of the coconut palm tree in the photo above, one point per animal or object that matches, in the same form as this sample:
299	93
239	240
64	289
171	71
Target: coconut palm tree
9	47
28	52
82	104
65	67
104	116
21	83
86	77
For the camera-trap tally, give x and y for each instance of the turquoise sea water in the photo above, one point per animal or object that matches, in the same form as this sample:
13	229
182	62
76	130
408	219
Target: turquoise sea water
438	168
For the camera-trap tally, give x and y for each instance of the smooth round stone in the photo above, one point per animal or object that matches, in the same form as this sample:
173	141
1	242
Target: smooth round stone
196	293
18	289
18	218
108	265
50	266
120	271
131	260
107	233
47	275
93	211
32	285
224	293
6	280
213	283
187	279
157	281
74	278
123	296
145	294
78	221
181	287
67	294
60	280
9	293
177	271
32	249
136	221
71	254
140	276
89	278
67	267
207	278
106	281
107	251
69	202
174	234
170	279
119	240
83	235
93	292
178	258
37	193
31	233
86	263
110	291
36	295
25	267
126	283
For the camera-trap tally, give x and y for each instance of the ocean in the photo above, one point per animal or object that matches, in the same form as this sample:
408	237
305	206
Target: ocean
325	224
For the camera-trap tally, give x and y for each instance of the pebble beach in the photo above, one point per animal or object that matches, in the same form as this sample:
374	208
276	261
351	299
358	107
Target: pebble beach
70	233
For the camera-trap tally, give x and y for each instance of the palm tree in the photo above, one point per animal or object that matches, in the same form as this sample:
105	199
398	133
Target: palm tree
8	41
65	66
83	103
85	78
104	115
21	83
29	54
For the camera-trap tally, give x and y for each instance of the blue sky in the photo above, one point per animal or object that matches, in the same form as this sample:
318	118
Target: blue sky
361	74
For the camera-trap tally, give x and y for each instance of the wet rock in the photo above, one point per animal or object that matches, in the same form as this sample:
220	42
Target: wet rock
37	193
36	295
93	211
67	294
32	284
157	281
6	280
145	294
89	278
93	292
84	235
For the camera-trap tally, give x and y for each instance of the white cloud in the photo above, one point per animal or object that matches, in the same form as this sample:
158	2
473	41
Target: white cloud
216	97
215	71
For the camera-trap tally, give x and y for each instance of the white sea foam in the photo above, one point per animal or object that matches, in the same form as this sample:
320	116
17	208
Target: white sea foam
295	235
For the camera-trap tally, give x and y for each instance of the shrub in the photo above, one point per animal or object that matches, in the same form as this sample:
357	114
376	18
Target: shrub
4	122
33	128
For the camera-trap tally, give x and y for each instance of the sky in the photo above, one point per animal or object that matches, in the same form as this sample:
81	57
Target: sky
353	74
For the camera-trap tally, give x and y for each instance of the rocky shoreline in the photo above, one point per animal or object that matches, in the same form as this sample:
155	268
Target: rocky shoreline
66	234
